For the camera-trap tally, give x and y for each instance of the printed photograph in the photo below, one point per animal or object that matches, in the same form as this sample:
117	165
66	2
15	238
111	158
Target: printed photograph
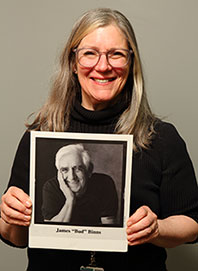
80	182
80	189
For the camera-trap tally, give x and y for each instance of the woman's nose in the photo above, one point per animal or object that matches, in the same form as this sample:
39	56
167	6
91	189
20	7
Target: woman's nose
103	64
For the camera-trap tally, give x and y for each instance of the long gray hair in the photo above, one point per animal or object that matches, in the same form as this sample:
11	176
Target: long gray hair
137	119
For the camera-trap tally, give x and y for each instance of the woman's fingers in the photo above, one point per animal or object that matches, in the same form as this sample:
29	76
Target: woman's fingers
15	218
137	216
16	207
143	218
142	226
19	194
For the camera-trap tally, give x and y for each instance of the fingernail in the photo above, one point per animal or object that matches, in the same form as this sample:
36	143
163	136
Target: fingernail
27	211
27	218
129	224
28	203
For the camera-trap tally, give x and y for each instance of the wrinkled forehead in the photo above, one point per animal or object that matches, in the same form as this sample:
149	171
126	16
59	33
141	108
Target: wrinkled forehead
70	159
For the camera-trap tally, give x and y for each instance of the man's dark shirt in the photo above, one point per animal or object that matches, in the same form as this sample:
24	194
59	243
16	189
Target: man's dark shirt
99	200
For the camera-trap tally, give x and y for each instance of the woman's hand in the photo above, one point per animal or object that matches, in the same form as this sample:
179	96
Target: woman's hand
142	227
16	207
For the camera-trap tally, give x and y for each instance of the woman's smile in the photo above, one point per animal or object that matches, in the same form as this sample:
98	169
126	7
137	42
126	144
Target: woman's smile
102	83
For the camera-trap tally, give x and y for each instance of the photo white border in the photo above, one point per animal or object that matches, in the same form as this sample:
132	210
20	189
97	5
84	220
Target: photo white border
80	237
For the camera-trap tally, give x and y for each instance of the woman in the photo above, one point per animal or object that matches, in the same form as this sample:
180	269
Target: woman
100	89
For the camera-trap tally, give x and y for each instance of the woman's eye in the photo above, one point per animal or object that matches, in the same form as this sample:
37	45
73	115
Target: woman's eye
89	53
117	54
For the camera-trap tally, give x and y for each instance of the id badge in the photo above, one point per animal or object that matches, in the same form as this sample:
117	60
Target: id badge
91	268
93	265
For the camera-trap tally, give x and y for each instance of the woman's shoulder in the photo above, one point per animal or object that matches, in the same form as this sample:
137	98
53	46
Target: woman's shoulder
24	142
25	139
167	132
163	126
167	140
26	136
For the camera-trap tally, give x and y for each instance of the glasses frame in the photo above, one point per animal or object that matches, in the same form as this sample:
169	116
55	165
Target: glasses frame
129	51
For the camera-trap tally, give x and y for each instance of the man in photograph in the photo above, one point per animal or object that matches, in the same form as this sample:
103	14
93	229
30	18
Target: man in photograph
77	195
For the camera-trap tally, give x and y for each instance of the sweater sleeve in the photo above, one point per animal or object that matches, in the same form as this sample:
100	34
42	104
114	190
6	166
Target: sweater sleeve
20	170
179	190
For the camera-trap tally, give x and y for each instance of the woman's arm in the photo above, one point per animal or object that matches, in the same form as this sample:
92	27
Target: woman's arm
17	235
176	230
16	210
144	227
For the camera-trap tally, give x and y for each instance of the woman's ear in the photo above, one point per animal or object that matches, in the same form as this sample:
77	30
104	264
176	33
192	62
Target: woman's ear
74	69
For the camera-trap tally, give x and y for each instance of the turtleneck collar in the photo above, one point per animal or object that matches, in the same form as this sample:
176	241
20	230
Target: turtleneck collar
105	116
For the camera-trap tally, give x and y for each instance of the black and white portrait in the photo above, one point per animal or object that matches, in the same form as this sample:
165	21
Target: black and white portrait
79	182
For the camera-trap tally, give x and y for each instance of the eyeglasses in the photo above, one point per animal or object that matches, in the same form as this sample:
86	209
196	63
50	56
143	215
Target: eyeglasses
117	58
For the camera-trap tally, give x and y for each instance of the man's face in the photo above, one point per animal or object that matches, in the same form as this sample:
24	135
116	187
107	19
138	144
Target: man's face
73	172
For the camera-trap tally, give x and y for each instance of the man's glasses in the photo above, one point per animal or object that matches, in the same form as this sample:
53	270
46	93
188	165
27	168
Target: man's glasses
89	58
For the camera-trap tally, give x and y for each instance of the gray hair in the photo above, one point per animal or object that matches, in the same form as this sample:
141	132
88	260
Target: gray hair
79	149
137	119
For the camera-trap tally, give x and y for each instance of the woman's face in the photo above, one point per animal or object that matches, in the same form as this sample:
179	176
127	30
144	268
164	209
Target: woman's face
101	84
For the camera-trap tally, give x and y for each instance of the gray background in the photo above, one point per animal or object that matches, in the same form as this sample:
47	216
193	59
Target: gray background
32	34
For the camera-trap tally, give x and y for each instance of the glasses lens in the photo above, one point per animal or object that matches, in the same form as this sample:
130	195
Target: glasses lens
118	58
88	57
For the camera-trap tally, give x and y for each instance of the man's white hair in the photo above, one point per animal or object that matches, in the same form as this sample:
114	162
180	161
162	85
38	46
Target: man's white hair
79	149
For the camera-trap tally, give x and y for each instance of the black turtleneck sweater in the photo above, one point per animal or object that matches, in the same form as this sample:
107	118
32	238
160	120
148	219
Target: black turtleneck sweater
162	178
